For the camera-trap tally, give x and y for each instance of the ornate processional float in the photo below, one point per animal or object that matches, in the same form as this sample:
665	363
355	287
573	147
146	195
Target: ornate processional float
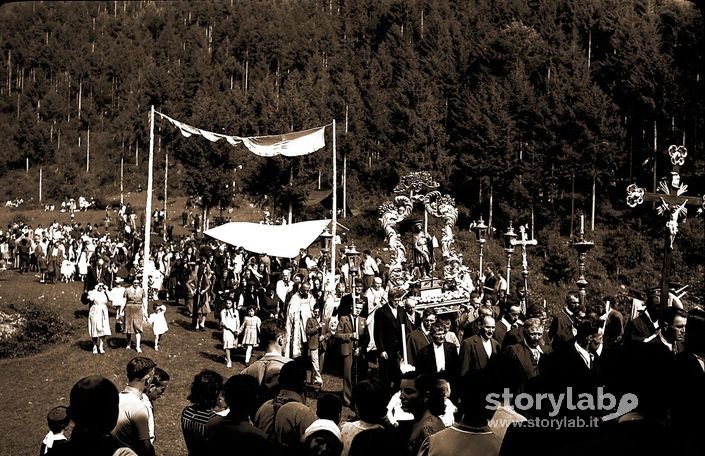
446	293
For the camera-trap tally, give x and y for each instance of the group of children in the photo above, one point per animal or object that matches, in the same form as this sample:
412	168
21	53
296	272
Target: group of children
232	330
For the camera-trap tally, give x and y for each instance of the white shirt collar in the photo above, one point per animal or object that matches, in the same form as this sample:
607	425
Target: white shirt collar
487	344
440	354
506	323
584	354
50	438
655	323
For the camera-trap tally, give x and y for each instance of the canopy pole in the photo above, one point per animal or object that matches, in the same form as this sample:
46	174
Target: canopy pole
148	215
335	208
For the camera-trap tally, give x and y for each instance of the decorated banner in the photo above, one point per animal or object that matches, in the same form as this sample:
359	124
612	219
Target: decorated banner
289	145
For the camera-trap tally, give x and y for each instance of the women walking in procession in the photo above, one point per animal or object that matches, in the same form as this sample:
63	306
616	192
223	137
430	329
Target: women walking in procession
230	321
98	319
134	314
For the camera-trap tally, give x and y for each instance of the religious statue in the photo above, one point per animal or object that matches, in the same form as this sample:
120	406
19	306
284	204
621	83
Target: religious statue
423	246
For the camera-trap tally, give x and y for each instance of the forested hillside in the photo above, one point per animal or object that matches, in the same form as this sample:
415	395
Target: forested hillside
538	103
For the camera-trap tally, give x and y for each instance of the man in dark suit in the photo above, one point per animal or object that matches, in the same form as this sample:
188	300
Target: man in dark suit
522	359
689	369
473	327
421	336
477	350
563	327
389	321
669	337
509	321
439	357
576	363
645	324
96	274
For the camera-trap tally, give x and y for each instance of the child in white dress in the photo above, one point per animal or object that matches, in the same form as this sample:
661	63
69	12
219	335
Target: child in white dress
250	332
230	321
158	321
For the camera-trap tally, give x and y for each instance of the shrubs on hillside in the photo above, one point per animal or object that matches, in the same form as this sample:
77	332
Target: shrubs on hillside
36	327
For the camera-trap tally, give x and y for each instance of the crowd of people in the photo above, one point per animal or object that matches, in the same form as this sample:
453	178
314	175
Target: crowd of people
437	404
418	382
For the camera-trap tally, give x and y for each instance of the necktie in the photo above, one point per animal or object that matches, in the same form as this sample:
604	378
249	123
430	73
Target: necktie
674	348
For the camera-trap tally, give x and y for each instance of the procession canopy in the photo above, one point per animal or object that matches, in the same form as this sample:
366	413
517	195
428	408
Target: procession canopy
284	241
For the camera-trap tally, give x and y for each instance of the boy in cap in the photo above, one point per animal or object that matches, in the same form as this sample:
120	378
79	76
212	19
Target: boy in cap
57	420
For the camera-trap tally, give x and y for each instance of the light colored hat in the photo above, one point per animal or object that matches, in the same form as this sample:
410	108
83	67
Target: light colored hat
321	425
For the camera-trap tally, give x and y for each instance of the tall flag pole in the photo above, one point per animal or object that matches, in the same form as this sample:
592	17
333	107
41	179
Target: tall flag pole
335	208
88	150
148	215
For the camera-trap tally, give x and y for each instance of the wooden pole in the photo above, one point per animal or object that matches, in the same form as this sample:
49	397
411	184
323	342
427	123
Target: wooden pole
291	184
572	202
335	209
653	203
40	184
122	172
148	215
88	150
345	169
594	187
166	185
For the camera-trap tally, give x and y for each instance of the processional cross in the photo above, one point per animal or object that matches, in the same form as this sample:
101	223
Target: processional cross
672	204
523	242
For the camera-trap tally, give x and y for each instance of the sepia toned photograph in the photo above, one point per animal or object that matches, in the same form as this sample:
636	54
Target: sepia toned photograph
352	227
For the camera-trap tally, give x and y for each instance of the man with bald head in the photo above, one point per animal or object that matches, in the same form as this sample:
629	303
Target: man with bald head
477	350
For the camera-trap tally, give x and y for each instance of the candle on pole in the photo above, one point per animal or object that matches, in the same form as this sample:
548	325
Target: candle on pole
509	243
481	229
582	247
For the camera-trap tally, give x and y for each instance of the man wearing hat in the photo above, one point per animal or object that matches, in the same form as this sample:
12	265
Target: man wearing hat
298	312
322	437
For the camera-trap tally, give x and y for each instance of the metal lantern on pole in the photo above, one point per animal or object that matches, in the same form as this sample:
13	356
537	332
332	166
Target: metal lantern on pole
353	257
509	243
481	230
325	237
582	247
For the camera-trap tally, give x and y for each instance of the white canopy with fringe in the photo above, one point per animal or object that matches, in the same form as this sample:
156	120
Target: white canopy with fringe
275	240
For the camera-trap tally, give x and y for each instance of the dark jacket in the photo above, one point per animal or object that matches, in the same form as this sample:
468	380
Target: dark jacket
426	362
639	328
561	330
473	356
388	331
415	341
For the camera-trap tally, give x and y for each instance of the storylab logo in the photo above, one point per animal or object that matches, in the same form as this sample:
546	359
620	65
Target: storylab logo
604	405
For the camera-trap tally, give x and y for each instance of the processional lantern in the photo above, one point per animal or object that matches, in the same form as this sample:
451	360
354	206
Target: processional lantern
353	257
582	247
481	230
325	245
509	242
